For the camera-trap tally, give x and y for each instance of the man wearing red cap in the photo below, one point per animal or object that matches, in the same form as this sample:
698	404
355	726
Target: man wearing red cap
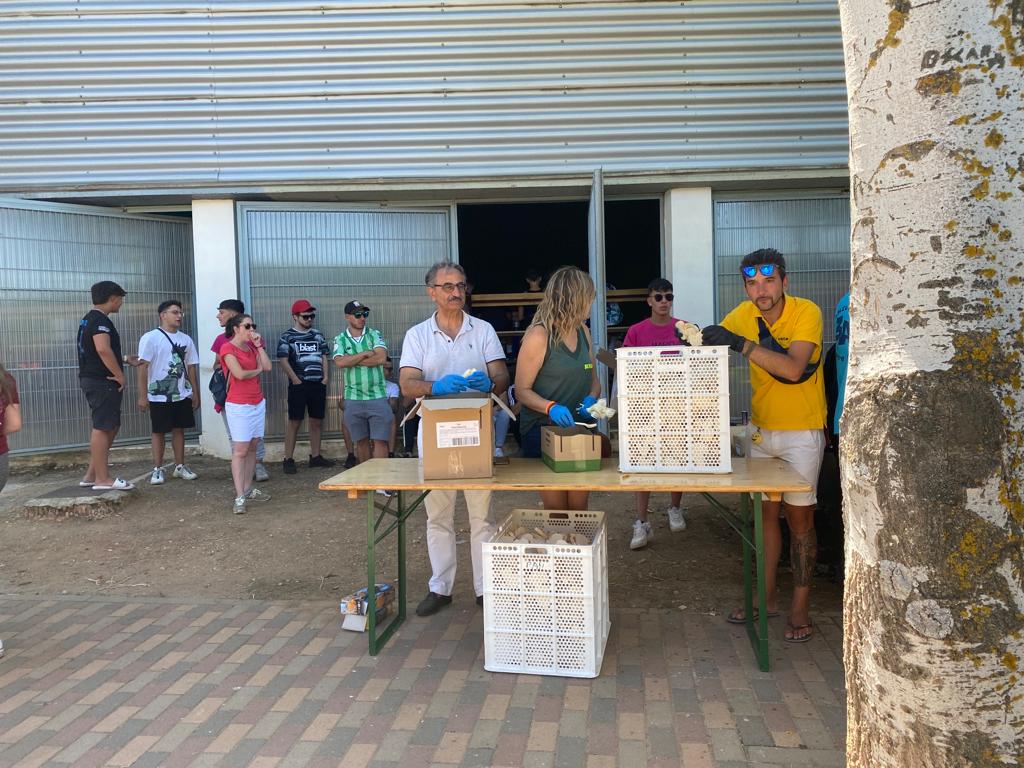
302	353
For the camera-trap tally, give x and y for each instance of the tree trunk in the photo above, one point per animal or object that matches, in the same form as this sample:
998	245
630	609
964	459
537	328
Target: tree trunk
933	427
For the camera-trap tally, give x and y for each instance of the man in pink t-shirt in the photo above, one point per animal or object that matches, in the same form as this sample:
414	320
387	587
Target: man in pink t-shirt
658	330
225	311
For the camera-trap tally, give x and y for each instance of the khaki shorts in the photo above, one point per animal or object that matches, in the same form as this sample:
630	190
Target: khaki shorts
802	449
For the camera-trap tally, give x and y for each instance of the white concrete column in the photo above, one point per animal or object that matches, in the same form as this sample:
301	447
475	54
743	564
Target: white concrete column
216	271
689	252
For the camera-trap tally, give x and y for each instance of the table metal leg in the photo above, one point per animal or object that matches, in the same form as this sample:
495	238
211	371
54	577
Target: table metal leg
374	535
750	527
748	557
402	515
758	636
371	574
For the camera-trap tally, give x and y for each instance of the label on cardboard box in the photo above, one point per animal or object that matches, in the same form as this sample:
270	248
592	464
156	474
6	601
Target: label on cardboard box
458	434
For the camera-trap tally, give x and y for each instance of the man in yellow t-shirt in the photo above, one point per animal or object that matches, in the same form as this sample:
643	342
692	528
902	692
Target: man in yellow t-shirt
781	337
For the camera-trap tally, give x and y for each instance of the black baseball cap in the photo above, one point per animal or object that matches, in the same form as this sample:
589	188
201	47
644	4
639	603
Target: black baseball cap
352	306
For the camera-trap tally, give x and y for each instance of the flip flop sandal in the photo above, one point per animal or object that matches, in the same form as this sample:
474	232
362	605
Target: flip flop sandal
796	628
736	618
117	485
85	484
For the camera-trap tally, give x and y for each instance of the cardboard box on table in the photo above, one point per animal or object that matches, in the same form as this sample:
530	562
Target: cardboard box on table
570	449
457	435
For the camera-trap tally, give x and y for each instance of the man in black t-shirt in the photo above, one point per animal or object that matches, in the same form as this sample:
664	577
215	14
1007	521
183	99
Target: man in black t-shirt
101	376
302	354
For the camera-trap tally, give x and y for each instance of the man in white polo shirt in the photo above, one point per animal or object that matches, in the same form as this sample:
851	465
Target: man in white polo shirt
435	354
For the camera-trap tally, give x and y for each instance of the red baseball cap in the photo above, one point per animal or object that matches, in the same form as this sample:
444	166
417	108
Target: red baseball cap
302	306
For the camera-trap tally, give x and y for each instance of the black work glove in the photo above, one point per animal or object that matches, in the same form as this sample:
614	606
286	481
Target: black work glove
716	335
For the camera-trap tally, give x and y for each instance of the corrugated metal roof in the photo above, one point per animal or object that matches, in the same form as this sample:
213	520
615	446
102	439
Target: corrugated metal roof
157	93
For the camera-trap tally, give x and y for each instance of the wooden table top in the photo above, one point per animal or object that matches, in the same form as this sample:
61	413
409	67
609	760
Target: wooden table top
769	476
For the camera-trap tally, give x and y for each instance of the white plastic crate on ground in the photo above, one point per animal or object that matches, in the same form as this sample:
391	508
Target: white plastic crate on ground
546	605
673	409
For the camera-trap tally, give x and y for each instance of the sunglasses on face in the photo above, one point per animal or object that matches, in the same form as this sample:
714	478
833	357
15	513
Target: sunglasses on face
308	316
249	326
664	297
765	269
450	287
361	313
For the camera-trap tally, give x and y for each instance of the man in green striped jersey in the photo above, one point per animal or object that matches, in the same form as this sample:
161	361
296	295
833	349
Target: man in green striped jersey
360	352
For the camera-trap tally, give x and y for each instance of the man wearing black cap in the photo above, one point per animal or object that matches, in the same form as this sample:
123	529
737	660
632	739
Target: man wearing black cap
225	311
360	351
101	376
302	353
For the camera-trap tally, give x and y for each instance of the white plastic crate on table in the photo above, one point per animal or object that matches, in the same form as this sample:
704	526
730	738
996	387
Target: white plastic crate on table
673	409
546	605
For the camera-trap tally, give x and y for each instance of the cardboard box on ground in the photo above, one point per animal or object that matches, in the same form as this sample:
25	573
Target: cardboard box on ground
457	434
355	607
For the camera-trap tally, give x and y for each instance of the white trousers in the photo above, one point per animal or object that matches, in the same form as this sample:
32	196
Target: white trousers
441	537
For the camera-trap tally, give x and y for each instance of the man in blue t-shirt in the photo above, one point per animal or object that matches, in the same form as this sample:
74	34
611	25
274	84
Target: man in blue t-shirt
302	353
842	320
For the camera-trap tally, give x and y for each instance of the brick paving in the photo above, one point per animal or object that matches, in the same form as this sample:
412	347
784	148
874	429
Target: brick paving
97	681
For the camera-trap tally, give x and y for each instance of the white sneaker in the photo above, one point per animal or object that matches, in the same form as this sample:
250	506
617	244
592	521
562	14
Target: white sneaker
184	472
1	649
641	534
239	508
255	494
676	521
261	472
157	478
499	453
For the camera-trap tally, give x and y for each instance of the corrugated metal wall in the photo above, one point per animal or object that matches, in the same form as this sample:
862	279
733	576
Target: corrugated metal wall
51	254
225	93
813	235
331	256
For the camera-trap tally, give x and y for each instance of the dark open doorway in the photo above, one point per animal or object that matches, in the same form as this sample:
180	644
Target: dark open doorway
499	242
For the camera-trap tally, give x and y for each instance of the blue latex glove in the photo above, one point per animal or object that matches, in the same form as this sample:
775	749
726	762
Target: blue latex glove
561	416
479	381
451	384
588	401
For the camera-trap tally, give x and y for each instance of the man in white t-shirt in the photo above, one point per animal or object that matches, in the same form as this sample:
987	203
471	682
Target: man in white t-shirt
168	388
435	354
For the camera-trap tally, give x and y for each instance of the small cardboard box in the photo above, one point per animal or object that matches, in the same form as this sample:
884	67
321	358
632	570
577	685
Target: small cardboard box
357	622
355	607
356	603
458	435
570	449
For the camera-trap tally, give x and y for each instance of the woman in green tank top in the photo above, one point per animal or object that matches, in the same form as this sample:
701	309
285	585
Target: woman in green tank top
556	372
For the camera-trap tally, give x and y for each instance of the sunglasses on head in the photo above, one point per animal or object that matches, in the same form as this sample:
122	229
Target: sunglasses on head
249	326
664	296
765	269
361	313
308	315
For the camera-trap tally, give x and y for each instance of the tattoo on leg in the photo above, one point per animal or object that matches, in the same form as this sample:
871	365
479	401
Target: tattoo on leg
803	553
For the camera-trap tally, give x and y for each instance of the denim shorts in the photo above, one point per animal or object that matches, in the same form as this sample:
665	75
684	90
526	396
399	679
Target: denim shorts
369	419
